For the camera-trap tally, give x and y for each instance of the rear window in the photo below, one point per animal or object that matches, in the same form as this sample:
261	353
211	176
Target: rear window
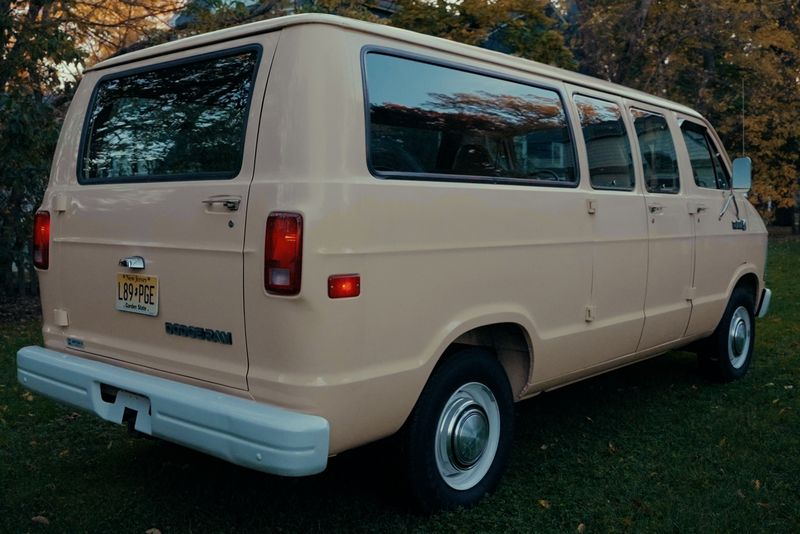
178	121
433	122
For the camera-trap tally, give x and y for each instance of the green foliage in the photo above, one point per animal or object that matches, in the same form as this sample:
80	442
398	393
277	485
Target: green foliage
41	44
28	133
33	43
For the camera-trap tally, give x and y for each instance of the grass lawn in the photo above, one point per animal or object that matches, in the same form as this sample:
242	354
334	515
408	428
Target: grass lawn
652	447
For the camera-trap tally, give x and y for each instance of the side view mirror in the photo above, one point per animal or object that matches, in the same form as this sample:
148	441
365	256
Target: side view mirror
742	174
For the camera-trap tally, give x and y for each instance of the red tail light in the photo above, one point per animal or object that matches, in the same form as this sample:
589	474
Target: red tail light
41	240
342	286
283	257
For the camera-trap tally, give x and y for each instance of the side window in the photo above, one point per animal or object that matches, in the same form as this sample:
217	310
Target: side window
607	145
707	166
446	123
659	162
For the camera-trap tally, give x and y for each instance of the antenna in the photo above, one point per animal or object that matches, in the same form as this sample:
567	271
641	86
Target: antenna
743	117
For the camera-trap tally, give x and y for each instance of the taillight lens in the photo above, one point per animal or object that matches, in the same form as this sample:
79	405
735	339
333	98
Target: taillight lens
41	240
343	286
283	258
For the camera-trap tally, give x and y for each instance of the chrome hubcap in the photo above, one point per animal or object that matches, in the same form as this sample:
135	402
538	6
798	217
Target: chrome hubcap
470	436
467	436
739	335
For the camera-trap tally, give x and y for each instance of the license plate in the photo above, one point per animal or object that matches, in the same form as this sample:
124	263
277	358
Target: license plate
137	293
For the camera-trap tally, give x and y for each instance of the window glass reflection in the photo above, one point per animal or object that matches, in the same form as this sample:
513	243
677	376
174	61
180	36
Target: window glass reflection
184	121
659	162
607	145
706	162
441	121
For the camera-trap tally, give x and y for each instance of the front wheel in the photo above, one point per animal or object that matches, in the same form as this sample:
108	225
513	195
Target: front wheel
729	350
457	440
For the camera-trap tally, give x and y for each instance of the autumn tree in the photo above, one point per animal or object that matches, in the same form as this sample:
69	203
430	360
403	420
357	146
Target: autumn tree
708	55
519	27
43	45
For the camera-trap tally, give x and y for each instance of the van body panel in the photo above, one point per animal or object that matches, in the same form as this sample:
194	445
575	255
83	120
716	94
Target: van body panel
406	253
194	249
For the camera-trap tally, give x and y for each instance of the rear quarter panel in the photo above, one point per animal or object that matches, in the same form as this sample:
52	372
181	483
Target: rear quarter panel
435	259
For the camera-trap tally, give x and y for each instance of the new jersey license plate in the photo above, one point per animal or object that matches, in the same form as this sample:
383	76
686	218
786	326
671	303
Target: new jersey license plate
137	293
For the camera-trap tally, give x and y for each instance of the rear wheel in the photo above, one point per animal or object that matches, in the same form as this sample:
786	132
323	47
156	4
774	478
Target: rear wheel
457	440
727	353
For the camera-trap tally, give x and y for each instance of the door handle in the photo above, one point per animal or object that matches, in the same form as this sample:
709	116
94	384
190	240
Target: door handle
656	208
229	201
697	208
132	262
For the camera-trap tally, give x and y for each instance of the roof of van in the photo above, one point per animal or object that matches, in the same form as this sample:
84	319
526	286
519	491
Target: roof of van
398	34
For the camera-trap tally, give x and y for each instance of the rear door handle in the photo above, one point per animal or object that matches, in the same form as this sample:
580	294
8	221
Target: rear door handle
132	262
656	208
229	201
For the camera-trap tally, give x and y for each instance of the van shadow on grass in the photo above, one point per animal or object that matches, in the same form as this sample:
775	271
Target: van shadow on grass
180	487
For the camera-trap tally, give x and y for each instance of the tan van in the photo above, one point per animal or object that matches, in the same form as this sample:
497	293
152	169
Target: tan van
280	241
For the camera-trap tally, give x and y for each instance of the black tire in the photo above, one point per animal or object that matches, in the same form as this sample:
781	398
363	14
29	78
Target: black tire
727	353
460	391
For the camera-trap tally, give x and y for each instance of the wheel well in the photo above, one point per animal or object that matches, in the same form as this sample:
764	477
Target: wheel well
749	282
509	343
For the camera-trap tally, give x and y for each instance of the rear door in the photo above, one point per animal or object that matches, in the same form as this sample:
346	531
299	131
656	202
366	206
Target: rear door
148	246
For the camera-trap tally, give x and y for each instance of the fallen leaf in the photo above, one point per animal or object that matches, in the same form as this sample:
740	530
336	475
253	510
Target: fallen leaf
776	401
152	531
768	384
42	520
762	504
694	387
589	419
740	494
28	397
544	447
783	410
788	387
722	442
108	447
611	448
63	453
581	528
757	484
544	504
